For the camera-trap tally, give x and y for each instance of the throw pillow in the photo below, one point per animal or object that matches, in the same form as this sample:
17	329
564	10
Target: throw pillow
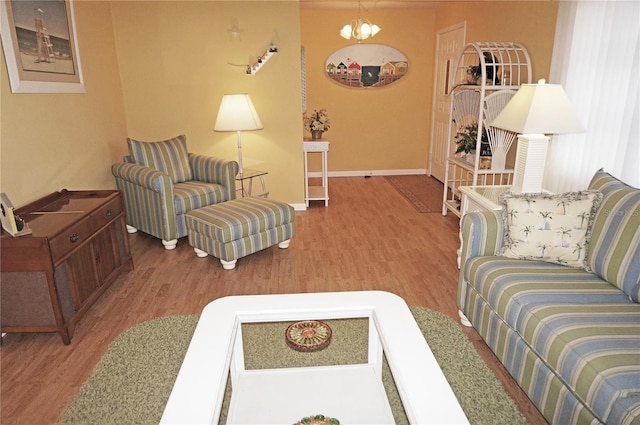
547	227
168	156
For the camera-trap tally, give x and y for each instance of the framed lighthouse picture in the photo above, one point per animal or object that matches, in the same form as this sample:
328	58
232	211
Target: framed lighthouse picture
40	46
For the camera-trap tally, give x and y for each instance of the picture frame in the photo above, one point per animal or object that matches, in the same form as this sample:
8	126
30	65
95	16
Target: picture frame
366	66
40	46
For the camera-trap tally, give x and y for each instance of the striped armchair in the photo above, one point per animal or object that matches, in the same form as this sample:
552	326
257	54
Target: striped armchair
570	336
161	182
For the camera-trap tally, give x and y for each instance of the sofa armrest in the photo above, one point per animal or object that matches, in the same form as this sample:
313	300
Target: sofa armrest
482	235
215	170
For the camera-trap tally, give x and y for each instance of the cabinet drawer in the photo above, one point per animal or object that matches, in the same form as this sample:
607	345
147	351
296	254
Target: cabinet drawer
106	213
70	238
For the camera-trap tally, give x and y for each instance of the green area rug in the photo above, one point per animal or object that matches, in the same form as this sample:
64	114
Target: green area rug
132	381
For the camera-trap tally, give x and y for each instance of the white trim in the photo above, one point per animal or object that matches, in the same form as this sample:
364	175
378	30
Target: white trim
368	173
299	207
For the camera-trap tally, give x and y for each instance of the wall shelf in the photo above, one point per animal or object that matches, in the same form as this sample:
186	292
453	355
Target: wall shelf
264	58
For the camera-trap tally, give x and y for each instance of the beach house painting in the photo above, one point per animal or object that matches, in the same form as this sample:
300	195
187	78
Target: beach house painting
366	66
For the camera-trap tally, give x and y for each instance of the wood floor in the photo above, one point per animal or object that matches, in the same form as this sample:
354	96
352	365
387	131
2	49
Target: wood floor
368	238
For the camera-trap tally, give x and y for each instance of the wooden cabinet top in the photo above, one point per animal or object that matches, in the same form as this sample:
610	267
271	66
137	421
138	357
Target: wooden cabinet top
51	214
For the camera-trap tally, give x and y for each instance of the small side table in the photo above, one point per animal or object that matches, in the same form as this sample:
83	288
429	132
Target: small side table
316	193
246	189
478	198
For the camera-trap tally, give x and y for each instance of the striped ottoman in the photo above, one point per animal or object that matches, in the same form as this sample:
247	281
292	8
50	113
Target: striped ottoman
237	228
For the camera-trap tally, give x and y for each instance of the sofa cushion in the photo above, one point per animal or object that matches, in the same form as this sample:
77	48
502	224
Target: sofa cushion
168	156
594	349
193	194
547	227
510	284
614	252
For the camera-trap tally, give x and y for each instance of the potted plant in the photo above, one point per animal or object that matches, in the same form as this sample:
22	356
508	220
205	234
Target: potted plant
317	123
467	138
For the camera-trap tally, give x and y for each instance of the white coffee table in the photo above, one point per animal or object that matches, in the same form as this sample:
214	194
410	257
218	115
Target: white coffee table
285	395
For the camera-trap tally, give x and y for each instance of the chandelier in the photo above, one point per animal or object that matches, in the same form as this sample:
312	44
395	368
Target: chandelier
360	29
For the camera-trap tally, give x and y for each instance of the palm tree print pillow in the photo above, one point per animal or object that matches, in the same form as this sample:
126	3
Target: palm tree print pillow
547	227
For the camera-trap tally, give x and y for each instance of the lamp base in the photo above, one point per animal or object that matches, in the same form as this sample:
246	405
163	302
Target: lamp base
530	162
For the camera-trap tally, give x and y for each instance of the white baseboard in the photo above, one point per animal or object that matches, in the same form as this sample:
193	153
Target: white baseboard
299	207
364	173
361	173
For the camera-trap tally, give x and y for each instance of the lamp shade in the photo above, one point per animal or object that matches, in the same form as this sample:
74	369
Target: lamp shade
237	113
539	109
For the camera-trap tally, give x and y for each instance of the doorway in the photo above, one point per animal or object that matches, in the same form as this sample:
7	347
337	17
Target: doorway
449	44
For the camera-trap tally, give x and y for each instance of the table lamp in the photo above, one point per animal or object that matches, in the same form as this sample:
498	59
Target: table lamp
535	111
237	113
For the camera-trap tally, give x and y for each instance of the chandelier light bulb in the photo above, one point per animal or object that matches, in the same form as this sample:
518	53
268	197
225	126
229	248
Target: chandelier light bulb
365	29
360	29
346	31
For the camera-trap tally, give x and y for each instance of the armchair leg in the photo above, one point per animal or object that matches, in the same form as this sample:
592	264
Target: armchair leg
464	320
284	244
131	229
228	265
170	244
200	253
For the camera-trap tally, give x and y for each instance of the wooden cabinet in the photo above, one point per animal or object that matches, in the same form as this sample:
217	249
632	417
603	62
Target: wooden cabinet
78	247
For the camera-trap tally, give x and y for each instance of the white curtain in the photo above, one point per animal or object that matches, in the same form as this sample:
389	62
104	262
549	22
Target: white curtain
596	60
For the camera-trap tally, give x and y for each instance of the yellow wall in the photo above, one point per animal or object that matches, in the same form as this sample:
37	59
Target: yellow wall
532	23
175	67
375	128
157	69
389	128
55	141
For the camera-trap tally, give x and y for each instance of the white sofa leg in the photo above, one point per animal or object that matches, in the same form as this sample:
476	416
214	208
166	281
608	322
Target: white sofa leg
200	253
131	229
170	244
229	265
284	244
463	319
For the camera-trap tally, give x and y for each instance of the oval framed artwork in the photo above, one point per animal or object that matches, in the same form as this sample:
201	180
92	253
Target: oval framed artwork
366	66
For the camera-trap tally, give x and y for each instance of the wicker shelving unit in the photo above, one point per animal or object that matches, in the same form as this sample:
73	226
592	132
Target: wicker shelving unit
485	77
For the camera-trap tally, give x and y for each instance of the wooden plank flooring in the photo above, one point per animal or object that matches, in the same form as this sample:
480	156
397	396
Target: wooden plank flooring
368	238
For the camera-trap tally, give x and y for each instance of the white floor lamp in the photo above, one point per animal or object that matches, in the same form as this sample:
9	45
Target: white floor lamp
535	111
237	113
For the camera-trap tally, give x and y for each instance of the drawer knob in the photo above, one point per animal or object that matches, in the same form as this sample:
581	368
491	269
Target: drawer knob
74	237
109	213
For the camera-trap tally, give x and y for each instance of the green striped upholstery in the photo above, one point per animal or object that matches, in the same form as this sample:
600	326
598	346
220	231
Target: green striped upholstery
157	206
566	316
237	228
545	389
570	338
168	156
148	196
614	250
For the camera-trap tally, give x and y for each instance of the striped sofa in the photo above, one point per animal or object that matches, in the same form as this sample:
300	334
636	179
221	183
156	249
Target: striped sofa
161	182
568	336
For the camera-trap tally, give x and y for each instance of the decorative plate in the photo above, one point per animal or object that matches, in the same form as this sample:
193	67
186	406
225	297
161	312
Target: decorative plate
318	420
308	335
